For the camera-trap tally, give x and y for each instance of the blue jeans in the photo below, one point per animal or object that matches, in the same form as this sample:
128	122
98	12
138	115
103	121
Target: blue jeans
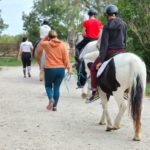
53	80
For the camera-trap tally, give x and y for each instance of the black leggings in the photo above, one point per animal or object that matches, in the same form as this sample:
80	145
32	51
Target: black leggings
82	44
26	59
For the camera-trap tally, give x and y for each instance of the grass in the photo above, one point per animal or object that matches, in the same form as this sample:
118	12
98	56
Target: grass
148	89
10	61
72	60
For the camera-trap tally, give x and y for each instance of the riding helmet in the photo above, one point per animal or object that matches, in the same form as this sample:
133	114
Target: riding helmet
111	10
92	11
45	22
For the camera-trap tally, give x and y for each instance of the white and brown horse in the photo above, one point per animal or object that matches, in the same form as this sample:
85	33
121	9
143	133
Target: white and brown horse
124	73
91	47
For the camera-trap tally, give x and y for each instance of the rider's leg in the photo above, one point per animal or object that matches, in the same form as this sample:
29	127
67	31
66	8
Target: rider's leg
93	73
78	50
80	46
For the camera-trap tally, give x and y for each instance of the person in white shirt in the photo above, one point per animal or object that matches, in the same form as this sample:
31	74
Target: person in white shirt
44	29
25	52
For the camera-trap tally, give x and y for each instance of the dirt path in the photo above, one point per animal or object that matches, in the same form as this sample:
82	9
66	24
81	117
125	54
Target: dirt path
25	124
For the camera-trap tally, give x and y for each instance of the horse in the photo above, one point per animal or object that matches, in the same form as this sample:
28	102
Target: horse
39	55
91	47
122	74
88	59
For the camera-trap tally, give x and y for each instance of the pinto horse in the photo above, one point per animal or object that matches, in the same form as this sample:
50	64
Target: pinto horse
124	73
91	47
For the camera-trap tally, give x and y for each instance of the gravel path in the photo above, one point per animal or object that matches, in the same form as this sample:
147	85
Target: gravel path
25	124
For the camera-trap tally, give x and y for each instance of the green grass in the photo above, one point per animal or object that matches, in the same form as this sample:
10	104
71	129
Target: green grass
148	89
10	61
72	60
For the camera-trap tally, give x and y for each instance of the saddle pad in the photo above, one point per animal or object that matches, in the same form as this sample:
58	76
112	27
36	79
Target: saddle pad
102	68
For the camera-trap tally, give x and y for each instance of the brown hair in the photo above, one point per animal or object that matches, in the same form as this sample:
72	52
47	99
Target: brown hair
52	34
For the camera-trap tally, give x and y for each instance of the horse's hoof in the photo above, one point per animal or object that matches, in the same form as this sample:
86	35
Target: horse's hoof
108	129
115	128
84	95
102	123
136	139
41	79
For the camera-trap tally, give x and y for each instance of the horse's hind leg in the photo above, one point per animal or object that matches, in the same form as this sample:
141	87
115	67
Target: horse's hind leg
41	76
105	114
122	104
84	93
103	119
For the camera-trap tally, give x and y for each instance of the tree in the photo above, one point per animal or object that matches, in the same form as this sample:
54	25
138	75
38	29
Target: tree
2	24
137	16
31	25
65	16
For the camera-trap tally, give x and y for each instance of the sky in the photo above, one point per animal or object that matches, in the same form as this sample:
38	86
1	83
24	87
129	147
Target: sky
11	12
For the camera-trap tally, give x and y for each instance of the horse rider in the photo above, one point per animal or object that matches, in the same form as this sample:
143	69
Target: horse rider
91	31
44	30
113	41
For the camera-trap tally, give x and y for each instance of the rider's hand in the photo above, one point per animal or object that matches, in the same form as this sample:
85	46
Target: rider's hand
98	65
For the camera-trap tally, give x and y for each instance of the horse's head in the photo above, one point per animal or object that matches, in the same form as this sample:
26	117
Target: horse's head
79	38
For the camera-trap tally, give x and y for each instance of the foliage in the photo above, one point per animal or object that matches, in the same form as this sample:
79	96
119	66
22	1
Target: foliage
31	25
137	16
2	24
65	16
4	39
148	89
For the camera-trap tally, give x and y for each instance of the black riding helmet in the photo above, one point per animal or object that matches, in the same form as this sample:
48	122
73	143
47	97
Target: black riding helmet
111	10
45	22
92	11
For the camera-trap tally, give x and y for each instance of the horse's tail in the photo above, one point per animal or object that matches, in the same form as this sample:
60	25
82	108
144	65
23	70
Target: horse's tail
137	93
34	47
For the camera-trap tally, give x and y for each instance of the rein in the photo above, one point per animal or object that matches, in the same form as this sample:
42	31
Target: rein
67	78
